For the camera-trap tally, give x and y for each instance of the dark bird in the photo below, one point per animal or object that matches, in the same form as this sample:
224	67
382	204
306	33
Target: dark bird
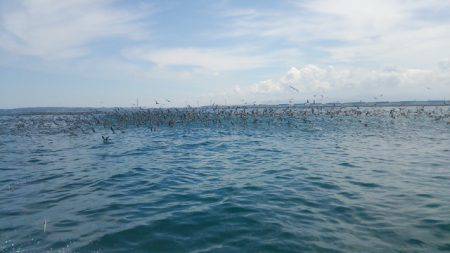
105	139
292	87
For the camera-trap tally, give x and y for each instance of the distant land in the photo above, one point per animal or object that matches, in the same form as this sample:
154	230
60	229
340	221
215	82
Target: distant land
75	110
380	103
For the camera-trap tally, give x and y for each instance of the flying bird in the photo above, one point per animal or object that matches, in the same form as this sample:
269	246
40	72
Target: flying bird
292	87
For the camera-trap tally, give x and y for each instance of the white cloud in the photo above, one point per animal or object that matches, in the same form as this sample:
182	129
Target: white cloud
330	83
65	29
379	32
207	59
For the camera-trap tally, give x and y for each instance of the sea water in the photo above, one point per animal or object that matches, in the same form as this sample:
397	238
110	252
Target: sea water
323	184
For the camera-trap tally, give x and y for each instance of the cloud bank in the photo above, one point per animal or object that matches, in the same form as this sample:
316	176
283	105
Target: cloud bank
328	84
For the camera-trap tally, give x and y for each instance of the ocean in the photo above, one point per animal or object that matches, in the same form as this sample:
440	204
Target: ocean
215	179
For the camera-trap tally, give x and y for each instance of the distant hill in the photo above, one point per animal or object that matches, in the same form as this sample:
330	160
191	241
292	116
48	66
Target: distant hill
47	110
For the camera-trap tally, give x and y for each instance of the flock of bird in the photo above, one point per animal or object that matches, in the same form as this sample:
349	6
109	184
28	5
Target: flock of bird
119	119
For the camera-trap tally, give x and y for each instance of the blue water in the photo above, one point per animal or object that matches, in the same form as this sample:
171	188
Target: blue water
329	184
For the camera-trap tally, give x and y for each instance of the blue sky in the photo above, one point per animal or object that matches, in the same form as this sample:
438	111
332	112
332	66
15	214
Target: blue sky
108	53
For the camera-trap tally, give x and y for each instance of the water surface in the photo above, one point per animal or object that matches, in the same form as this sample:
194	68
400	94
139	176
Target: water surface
320	184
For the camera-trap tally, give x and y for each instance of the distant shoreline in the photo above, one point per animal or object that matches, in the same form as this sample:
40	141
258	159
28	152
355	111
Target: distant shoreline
380	103
33	110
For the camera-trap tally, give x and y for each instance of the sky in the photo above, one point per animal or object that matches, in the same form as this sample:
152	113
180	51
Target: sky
122	53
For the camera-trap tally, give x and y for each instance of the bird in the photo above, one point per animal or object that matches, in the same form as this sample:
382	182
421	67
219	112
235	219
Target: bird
292	87
105	139
45	225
